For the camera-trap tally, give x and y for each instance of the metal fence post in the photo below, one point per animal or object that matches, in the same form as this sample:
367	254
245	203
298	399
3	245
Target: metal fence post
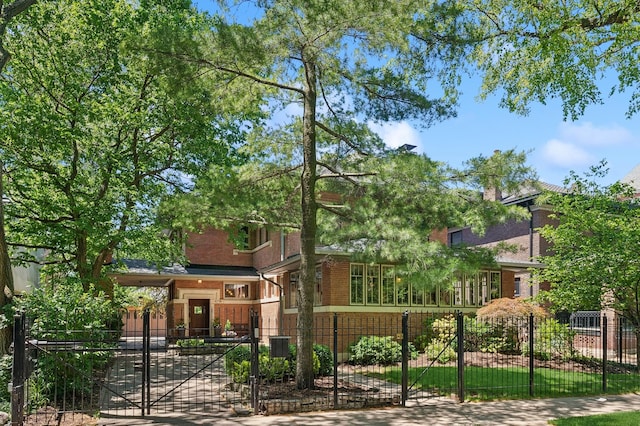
405	357
531	355
146	370
255	369
604	336
19	363
460	337
335	360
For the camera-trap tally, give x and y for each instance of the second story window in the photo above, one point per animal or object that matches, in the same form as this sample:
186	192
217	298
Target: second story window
455	238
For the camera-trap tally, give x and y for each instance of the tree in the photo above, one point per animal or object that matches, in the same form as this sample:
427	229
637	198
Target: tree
96	131
338	64
532	51
595	261
7	13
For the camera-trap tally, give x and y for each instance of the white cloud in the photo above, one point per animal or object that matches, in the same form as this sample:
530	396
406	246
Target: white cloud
566	154
589	135
396	134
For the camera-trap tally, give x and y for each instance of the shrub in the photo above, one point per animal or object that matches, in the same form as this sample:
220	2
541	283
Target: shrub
69	313
440	351
325	357
376	350
551	339
421	342
236	356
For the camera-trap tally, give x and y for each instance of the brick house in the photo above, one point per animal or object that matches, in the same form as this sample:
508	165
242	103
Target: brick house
224	283
522	234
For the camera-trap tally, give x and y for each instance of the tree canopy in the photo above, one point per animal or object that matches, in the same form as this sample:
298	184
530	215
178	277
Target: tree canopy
97	130
595	261
535	51
327	69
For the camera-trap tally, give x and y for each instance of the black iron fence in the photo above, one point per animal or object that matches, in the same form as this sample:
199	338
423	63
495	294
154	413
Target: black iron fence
58	374
360	360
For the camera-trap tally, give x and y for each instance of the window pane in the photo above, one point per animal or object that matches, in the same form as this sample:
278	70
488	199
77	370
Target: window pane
457	291
317	295
402	289
357	284
483	287
417	295
495	285
388	293
236	291
293	290
373	285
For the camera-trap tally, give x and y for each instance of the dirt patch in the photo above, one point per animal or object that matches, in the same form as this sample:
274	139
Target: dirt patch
51	416
323	386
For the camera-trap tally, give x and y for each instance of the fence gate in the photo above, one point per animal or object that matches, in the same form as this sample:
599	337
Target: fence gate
70	373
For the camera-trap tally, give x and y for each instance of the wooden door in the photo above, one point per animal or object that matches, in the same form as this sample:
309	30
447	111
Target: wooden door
198	317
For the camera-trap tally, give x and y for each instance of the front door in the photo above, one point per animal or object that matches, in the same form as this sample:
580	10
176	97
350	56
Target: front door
198	317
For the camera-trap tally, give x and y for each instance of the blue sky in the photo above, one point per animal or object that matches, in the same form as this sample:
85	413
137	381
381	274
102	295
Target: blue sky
555	146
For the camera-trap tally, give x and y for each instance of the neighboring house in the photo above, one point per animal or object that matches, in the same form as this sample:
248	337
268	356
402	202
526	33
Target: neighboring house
522	234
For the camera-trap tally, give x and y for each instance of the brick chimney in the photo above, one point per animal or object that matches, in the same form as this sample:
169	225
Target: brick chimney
492	194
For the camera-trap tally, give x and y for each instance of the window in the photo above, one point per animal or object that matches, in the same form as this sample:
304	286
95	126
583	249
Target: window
373	284
496	285
455	238
483	288
457	292
471	290
388	284
293	289
357	284
317	294
417	296
236	291
402	291
516	287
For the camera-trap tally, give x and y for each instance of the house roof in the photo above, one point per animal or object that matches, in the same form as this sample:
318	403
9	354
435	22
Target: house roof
532	191
145	274
633	178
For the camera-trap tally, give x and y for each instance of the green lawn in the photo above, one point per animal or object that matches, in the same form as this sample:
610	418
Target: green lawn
484	384
631	418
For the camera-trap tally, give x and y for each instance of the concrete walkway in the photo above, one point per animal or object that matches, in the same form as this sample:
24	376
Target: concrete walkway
434	412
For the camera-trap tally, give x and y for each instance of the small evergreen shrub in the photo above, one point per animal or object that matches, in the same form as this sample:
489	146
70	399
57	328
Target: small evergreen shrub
325	357
376	350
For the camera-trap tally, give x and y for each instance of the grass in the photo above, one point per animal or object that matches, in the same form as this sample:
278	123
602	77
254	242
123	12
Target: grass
484	384
631	418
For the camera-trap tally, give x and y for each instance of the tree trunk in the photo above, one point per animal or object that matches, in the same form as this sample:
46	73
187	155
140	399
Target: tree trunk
304	362
6	275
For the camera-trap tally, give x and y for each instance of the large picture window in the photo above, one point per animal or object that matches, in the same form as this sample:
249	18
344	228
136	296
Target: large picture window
380	285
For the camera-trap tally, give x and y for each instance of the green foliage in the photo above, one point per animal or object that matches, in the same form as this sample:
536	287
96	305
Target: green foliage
421	342
121	123
237	355
69	314
190	343
551	340
6	362
377	350
441	351
325	359
594	261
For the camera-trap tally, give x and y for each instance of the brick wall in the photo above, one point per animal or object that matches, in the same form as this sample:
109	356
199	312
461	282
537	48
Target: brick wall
212	247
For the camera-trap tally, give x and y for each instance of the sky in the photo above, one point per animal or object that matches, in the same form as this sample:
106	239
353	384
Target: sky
555	147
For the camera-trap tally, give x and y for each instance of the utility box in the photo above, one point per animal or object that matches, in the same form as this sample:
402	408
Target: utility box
279	346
